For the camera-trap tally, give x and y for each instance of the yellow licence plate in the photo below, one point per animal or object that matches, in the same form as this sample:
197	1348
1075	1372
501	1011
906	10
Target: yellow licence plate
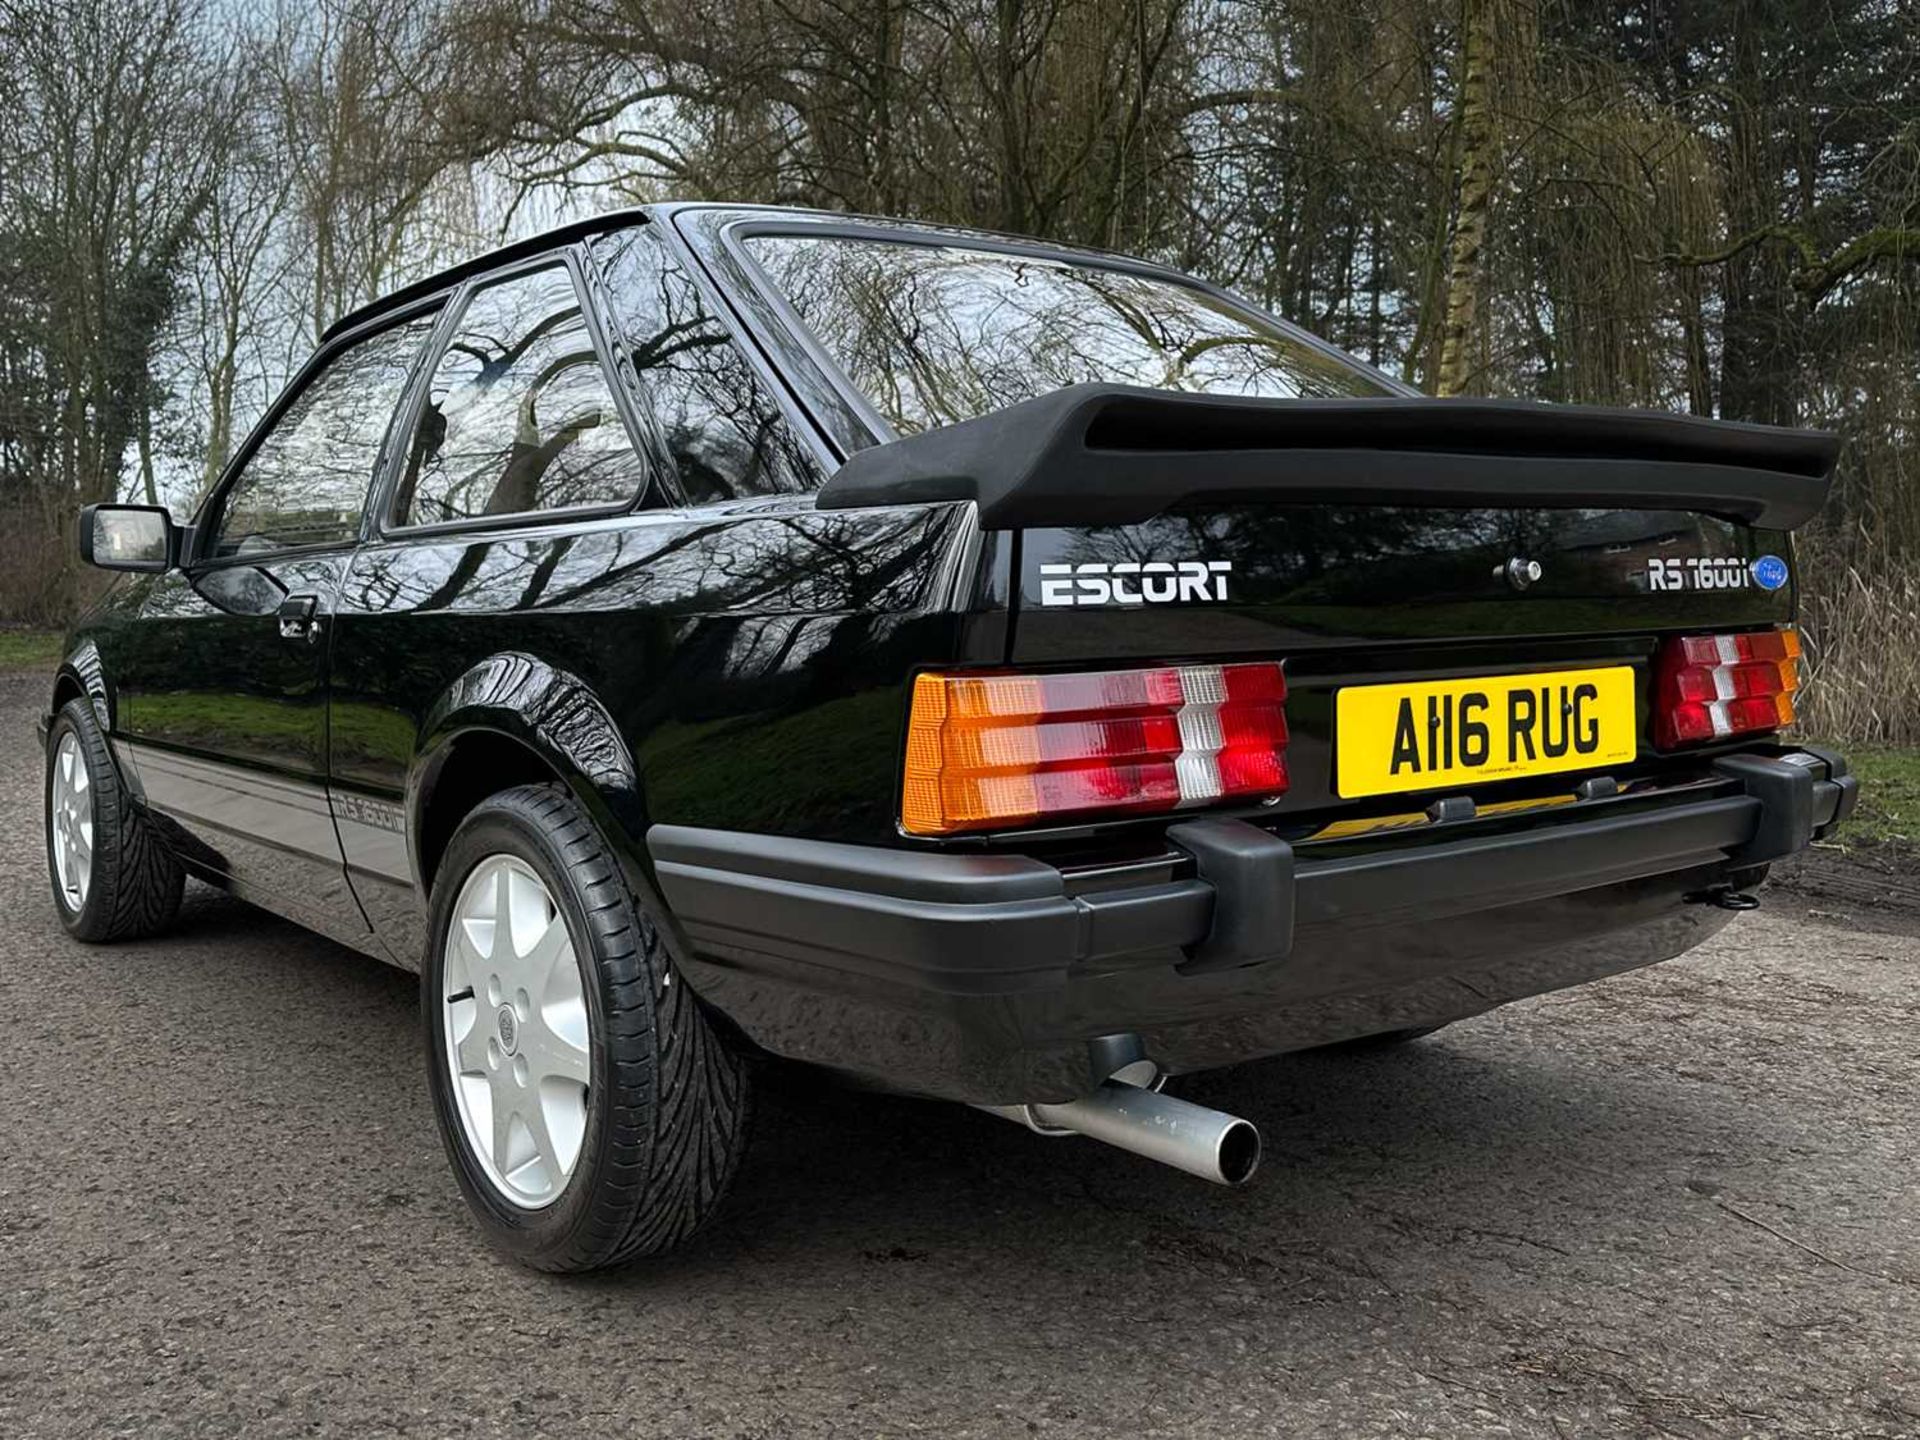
1446	732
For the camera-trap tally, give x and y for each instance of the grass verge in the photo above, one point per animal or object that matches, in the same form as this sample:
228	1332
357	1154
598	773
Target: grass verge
28	649
1889	812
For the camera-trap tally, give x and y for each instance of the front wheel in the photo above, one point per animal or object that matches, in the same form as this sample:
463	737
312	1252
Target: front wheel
591	1112
114	878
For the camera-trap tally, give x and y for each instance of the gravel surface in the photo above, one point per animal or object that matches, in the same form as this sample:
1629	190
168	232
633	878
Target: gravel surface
1678	1203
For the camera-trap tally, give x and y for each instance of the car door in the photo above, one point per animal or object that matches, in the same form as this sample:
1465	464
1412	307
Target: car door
225	691
518	472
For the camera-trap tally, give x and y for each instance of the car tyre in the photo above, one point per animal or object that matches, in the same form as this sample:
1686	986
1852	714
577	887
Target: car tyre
625	1110
114	877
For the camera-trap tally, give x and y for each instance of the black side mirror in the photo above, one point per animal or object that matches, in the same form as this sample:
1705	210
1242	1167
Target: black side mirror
129	537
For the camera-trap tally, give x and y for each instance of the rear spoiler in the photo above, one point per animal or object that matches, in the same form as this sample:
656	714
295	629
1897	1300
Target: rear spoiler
1118	455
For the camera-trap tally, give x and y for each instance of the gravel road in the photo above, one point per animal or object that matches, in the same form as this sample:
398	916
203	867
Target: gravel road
1679	1203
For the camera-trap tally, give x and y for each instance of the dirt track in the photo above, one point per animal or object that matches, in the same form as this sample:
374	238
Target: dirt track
1684	1202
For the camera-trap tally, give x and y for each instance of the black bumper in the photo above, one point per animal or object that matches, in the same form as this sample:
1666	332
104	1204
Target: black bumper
1003	979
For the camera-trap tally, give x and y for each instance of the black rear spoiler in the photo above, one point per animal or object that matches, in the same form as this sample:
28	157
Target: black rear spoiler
1118	455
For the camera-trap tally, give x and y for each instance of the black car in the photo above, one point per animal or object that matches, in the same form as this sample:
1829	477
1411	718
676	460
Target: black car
990	671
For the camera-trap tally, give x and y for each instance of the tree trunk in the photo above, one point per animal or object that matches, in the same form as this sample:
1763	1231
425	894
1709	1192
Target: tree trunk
1693	327
1479	140
1761	309
149	485
1008	18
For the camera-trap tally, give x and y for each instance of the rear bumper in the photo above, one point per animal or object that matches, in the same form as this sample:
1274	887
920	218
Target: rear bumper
1002	979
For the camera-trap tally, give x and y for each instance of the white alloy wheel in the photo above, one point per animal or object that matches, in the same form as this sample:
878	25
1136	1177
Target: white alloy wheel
514	1006
70	822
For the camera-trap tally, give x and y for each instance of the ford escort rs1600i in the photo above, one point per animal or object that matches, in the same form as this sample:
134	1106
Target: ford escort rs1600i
991	671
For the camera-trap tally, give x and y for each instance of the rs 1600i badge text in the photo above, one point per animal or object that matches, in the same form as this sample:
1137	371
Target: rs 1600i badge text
1700	572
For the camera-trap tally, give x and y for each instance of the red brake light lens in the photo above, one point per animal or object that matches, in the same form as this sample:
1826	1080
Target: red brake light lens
1715	687
992	750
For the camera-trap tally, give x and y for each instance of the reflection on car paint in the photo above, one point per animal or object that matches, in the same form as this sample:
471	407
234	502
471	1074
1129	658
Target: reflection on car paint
775	640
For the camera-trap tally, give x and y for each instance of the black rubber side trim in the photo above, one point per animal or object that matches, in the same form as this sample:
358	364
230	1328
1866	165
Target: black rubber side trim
1119	455
1252	875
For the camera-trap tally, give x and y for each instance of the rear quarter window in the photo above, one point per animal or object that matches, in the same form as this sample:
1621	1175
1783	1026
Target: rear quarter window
519	417
727	438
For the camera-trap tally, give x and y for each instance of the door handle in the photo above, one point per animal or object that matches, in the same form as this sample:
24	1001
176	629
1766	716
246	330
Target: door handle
298	620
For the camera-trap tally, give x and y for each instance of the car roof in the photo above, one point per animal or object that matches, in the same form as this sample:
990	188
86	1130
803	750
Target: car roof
481	264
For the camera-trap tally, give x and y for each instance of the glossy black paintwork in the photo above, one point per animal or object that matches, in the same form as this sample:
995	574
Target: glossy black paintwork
1315	577
224	723
1359	594
747	665
740	670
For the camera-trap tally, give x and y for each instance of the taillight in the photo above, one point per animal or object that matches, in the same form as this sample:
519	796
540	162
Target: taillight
1711	687
989	750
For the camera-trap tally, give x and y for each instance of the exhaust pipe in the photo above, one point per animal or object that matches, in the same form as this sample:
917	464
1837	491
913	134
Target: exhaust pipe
1209	1143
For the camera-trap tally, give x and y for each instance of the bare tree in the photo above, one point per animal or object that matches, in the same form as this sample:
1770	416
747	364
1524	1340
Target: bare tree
1713	207
238	271
120	119
353	135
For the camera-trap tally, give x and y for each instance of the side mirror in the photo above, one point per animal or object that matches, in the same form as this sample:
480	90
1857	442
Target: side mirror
129	537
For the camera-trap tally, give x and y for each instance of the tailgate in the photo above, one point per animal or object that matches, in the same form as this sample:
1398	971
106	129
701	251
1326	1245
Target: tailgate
1293	578
1372	543
1354	596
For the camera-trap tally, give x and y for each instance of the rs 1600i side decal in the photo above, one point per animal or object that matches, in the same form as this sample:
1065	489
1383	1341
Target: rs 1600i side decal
1134	582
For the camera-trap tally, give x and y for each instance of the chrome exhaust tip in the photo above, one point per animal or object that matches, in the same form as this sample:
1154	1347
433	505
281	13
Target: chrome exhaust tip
1212	1144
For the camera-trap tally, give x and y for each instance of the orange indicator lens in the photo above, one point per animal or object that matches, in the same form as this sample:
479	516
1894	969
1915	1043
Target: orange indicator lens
988	751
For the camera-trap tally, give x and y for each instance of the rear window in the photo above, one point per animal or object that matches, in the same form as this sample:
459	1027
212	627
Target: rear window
933	334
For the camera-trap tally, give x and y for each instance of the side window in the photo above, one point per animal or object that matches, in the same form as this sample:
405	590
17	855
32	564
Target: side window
726	436
306	482
518	416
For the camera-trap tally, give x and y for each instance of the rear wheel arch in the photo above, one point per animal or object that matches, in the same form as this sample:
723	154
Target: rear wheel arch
468	768
513	719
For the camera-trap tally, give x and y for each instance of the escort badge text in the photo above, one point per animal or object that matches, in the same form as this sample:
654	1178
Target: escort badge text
1134	582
